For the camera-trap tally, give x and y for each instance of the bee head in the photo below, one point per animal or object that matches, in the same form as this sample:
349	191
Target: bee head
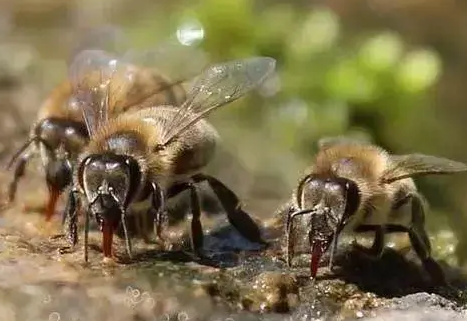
59	141
109	182
330	202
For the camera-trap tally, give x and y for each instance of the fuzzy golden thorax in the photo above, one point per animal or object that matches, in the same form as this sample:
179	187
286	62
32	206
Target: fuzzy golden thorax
128	136
140	133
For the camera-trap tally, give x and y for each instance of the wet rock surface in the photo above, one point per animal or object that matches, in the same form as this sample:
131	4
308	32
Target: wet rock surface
242	281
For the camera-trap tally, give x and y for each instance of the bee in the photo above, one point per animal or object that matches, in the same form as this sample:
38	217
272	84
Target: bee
60	132
146	156
358	187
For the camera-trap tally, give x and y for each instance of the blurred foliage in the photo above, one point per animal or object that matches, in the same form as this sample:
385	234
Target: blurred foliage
327	77
369	82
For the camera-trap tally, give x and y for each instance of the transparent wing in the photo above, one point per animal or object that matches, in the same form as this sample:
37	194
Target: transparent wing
405	166
171	58
90	73
169	64
216	86
104	83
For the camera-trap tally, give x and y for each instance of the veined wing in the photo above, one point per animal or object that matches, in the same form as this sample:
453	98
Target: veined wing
216	86
411	165
103	82
169	64
91	73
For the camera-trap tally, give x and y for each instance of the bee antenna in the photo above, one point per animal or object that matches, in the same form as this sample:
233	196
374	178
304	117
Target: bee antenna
125	231
123	220
333	248
20	151
86	234
335	238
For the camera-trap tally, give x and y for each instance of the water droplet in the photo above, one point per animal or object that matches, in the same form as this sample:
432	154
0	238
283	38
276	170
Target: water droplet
54	316
113	63
151	303
182	316
190	32
47	299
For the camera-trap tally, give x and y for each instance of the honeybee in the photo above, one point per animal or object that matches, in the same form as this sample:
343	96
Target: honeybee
359	187
146	156
60	133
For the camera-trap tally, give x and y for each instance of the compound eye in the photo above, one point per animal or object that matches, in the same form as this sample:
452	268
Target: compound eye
333	187
49	133
314	186
315	183
73	140
335	195
312	192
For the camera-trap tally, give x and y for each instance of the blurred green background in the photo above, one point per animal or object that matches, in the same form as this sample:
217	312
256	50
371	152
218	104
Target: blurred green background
392	72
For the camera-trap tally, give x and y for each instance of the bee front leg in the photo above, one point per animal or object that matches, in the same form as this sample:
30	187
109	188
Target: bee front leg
286	240
290	240
159	213
71	221
197	236
239	219
377	248
421	243
20	170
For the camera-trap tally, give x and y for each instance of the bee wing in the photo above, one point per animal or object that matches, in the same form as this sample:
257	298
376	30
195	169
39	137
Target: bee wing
404	166
102	80
172	61
90	73
327	142
216	86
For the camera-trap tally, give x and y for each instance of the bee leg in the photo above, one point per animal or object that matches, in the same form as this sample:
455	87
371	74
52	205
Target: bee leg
18	174
287	239
54	195
160	221
159	212
377	248
142	222
290	240
421	243
239	219
70	219
423	251
63	221
197	236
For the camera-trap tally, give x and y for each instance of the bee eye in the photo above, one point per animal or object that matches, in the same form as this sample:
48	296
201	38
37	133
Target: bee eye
50	136
314	183
332	187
